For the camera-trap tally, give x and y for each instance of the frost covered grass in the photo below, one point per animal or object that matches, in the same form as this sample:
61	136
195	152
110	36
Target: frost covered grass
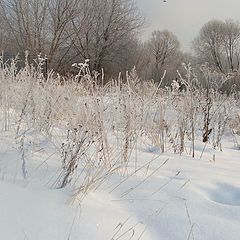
129	141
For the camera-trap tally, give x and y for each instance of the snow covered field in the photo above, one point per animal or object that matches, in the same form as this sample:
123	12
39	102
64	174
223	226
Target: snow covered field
173	197
125	161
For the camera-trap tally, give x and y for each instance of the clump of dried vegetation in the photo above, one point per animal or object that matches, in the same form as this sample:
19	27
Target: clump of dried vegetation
98	129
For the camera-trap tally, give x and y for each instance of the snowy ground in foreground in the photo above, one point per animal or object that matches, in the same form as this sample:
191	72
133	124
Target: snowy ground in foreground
184	199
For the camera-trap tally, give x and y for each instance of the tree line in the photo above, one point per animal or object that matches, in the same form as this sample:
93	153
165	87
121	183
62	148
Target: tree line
107	32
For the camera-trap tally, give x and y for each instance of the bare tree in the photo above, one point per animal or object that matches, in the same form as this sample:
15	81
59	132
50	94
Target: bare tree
61	14
162	46
38	26
6	39
231	42
218	44
208	45
26	22
104	27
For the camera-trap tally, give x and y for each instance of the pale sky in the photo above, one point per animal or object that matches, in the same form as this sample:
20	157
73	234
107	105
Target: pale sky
185	17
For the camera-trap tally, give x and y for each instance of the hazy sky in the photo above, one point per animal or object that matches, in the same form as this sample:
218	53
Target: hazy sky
185	17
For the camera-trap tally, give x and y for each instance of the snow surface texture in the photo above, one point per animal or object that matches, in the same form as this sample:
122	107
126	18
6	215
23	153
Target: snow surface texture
173	198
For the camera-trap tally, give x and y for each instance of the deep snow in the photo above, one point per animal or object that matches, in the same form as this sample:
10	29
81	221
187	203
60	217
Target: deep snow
173	197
